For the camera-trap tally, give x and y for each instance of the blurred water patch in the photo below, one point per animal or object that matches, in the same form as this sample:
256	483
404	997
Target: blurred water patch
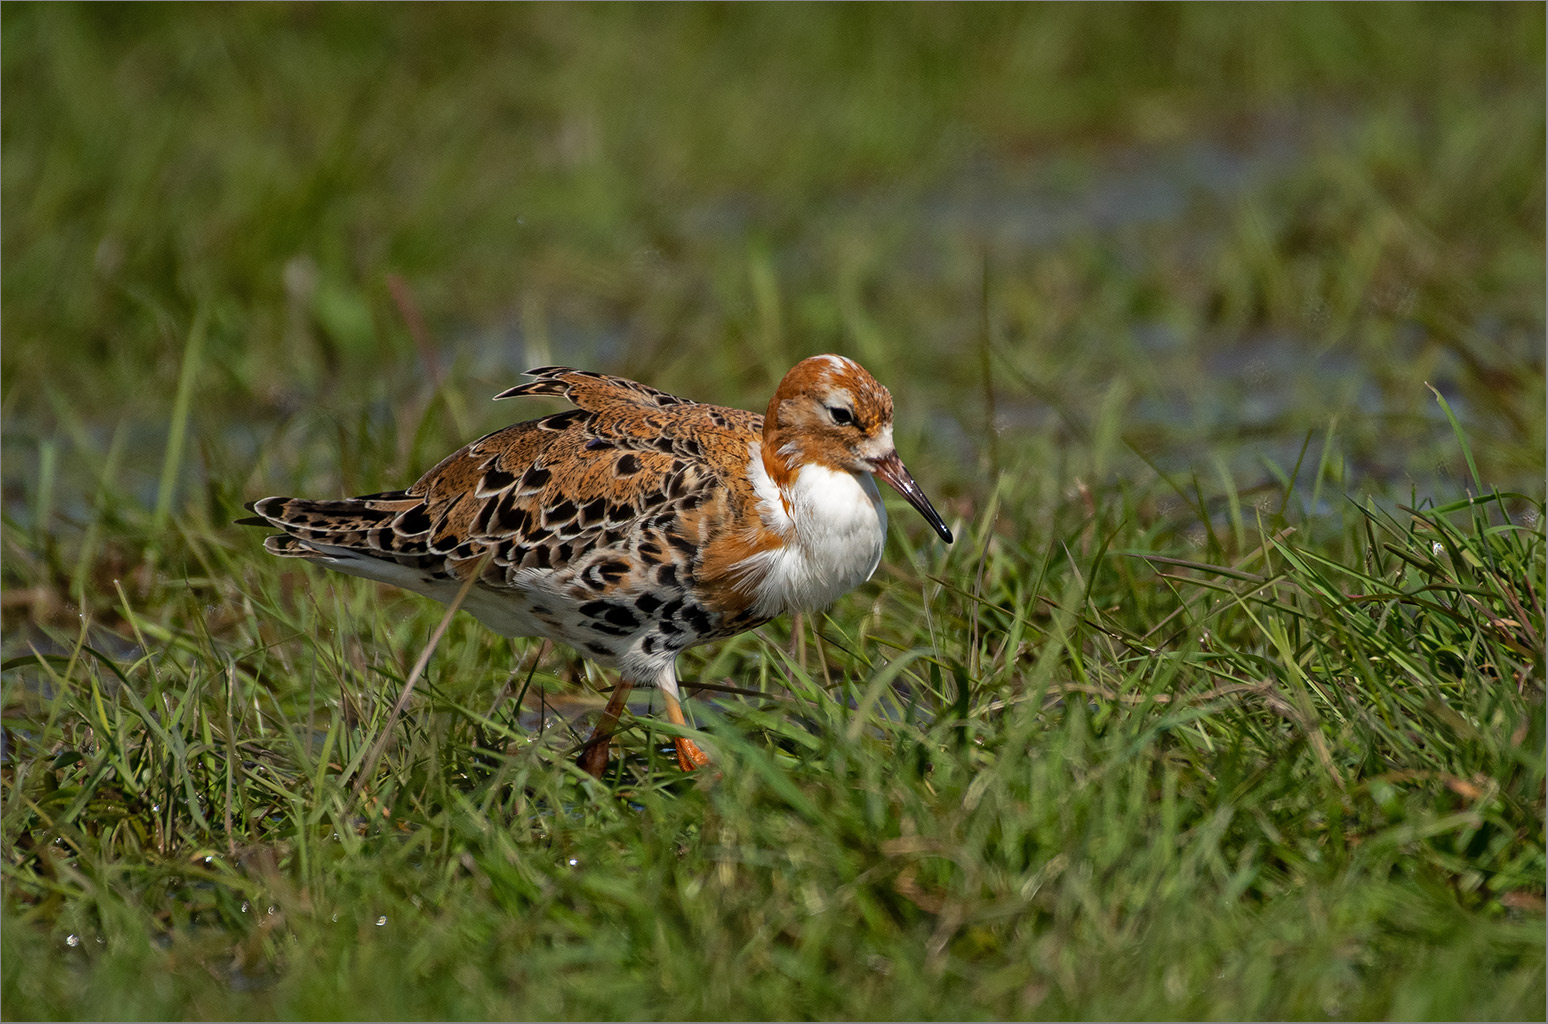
1032	203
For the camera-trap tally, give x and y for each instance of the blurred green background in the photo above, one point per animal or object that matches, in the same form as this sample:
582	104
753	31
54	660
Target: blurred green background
1152	278
1237	224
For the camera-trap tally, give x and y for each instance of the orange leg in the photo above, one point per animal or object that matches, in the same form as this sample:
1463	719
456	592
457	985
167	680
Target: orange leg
593	757
689	756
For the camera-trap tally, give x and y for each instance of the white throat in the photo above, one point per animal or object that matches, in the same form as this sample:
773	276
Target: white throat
833	533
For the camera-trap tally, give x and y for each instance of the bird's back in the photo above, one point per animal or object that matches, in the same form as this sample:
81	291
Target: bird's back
595	527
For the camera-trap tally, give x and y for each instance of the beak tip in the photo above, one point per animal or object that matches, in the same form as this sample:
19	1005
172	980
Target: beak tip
891	470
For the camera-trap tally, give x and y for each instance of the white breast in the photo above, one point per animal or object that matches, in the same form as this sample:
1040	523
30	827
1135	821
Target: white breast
833	534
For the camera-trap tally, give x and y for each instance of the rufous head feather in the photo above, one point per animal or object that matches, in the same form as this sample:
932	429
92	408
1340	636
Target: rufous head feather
829	411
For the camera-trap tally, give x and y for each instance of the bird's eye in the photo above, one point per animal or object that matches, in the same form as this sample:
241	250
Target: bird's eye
841	416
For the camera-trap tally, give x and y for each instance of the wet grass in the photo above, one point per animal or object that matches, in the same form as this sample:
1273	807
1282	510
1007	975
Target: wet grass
1227	702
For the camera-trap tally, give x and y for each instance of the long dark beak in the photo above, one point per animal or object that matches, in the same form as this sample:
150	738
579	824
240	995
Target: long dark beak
890	468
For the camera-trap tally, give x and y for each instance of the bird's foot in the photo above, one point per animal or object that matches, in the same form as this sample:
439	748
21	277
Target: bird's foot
593	757
689	756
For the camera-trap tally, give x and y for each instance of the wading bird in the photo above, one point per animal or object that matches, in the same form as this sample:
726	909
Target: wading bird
637	524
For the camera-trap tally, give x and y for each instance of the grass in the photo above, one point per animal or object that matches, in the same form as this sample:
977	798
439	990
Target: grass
1228	702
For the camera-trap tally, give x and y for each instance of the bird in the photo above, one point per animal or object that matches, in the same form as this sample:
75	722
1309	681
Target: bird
636	524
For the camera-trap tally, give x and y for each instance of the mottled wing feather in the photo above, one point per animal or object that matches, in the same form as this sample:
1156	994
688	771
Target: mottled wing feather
590	390
597	521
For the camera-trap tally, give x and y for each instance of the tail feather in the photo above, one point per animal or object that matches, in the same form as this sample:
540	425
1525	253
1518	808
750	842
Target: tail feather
363	525
286	546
